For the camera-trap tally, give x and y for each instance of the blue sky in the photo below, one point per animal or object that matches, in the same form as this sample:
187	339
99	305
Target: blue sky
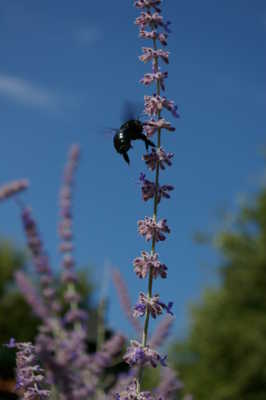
65	70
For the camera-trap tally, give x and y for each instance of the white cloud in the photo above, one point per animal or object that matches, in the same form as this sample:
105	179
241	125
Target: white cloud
27	93
89	35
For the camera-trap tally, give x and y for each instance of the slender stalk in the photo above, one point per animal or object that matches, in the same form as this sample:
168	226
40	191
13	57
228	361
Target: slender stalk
155	209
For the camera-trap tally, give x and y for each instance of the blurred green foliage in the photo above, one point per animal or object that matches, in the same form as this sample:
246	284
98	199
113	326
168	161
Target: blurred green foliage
224	355
16	318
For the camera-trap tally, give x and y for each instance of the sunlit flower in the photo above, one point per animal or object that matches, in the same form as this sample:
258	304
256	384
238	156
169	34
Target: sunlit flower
155	104
149	228
150	54
151	304
158	155
149	262
139	355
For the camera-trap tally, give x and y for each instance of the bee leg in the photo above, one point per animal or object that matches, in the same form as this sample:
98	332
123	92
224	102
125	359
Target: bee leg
126	158
149	143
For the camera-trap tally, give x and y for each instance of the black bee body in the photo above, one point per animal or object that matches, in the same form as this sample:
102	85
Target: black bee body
130	130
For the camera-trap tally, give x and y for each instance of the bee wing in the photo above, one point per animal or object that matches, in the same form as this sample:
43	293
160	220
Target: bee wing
108	132
131	110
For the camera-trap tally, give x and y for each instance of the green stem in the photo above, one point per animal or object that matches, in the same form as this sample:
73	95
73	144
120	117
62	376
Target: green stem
155	209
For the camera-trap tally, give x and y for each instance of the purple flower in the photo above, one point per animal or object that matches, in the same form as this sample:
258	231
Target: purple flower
111	348
139	310
146	303
163	192
31	295
148	188
149	228
152	126
161	332
138	354
124	298
71	295
151	54
154	105
75	315
131	393
148	4
12	188
156	76
153	20
152	304
169	385
168	307
40	258
147	262
68	261
158	155
162	37
12	344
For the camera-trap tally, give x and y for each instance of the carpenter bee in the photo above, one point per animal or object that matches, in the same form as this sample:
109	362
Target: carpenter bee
130	130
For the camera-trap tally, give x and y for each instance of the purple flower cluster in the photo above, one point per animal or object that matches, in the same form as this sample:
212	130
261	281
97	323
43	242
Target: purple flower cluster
149	189
158	157
152	305
155	104
138	354
39	257
131	393
61	344
149	264
151	229
151	77
30	377
152	126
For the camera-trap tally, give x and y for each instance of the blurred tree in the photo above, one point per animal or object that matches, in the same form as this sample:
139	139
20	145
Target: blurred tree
223	357
14	311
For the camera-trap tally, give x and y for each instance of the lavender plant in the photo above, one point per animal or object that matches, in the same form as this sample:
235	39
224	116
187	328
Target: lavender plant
152	26
68	369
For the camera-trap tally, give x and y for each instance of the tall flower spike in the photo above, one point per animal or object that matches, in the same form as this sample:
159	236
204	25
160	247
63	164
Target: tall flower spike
11	189
124	299
151	26
34	300
40	258
74	314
